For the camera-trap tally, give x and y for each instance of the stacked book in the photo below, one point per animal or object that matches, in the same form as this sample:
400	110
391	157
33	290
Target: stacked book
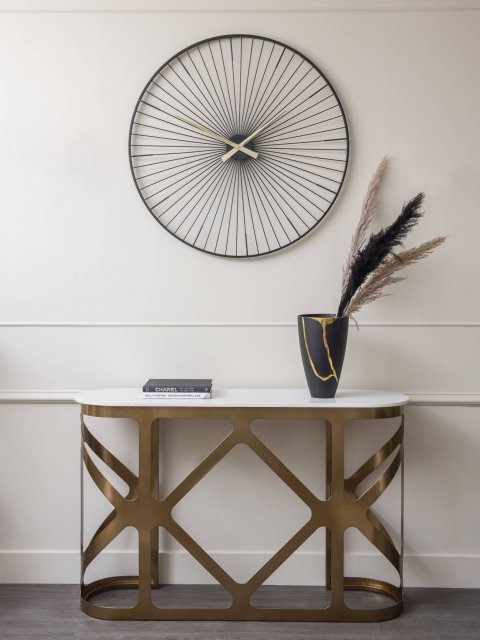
177	389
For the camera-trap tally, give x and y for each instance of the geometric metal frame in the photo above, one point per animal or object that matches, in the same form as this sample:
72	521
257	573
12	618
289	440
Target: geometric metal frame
343	508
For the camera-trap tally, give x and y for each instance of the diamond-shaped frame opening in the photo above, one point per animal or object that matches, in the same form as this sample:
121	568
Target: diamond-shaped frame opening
184	582
183	444
119	558
363	559
300	445
298	583
254	511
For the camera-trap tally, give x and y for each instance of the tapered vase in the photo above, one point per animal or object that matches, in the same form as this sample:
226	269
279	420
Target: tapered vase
323	341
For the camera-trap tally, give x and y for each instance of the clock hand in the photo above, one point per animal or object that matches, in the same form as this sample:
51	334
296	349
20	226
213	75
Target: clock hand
217	136
240	146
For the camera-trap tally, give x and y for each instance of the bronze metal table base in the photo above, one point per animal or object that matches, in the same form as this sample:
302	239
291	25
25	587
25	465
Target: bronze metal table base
342	509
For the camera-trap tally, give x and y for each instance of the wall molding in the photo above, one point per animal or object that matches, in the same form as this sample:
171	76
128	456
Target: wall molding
36	567
225	323
427	399
230	6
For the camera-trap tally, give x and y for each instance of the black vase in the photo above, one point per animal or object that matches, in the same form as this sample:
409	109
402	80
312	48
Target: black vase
323	340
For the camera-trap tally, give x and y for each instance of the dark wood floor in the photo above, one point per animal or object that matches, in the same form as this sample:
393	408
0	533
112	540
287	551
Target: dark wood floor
52	612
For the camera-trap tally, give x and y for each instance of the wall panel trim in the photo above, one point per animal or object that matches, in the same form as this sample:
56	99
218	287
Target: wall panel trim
432	399
226	323
230	6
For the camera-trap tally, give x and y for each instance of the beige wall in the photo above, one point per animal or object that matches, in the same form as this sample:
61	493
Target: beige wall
79	310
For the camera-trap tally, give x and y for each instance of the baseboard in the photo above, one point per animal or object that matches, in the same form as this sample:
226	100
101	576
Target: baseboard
37	567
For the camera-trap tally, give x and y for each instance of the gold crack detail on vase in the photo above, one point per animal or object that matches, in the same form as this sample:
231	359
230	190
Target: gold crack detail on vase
323	322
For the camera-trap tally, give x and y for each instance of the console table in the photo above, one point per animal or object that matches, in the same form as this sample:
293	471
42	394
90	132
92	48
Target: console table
342	509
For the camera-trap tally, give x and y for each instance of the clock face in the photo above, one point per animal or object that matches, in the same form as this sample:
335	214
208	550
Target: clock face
238	145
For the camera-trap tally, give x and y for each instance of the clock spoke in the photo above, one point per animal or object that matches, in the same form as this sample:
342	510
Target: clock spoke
219	118
200	143
230	104
271	182
280	146
276	161
199	51
259	88
250	203
234	186
261	105
201	181
189	156
202	165
272	75
226	182
167	153
243	111
288	176
217	192
177	109
231	130
174	122
283	91
216	101
254	184
290	154
199	170
281	141
224	209
293	115
267	196
211	114
288	188
240	88
247	106
285	107
233	85
184	135
245	193
191	160
279	157
281	135
203	191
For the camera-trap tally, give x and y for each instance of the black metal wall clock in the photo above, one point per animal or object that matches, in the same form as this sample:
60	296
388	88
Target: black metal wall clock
238	145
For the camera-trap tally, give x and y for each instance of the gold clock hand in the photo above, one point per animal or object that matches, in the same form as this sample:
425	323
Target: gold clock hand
240	146
219	137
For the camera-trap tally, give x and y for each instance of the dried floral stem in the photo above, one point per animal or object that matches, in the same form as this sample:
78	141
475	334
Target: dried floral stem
385	274
368	213
378	249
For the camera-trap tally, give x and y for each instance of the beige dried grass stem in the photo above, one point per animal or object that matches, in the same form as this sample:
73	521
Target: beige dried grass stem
385	274
369	210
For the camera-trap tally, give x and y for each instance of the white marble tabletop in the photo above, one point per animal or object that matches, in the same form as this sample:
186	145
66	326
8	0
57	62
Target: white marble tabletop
295	398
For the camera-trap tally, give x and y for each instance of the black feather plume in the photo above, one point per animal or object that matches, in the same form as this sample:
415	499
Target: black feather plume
379	246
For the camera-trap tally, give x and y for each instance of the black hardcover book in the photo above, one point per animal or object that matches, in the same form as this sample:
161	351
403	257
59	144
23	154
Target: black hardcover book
179	385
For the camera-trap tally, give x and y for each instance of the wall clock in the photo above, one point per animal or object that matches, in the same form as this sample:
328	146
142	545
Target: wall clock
238	145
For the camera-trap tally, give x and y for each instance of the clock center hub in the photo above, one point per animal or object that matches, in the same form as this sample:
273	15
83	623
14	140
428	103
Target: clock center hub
240	156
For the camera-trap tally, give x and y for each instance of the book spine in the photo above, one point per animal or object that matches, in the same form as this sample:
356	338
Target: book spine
147	389
178	396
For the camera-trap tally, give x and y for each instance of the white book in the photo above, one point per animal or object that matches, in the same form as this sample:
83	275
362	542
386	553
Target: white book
177	396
